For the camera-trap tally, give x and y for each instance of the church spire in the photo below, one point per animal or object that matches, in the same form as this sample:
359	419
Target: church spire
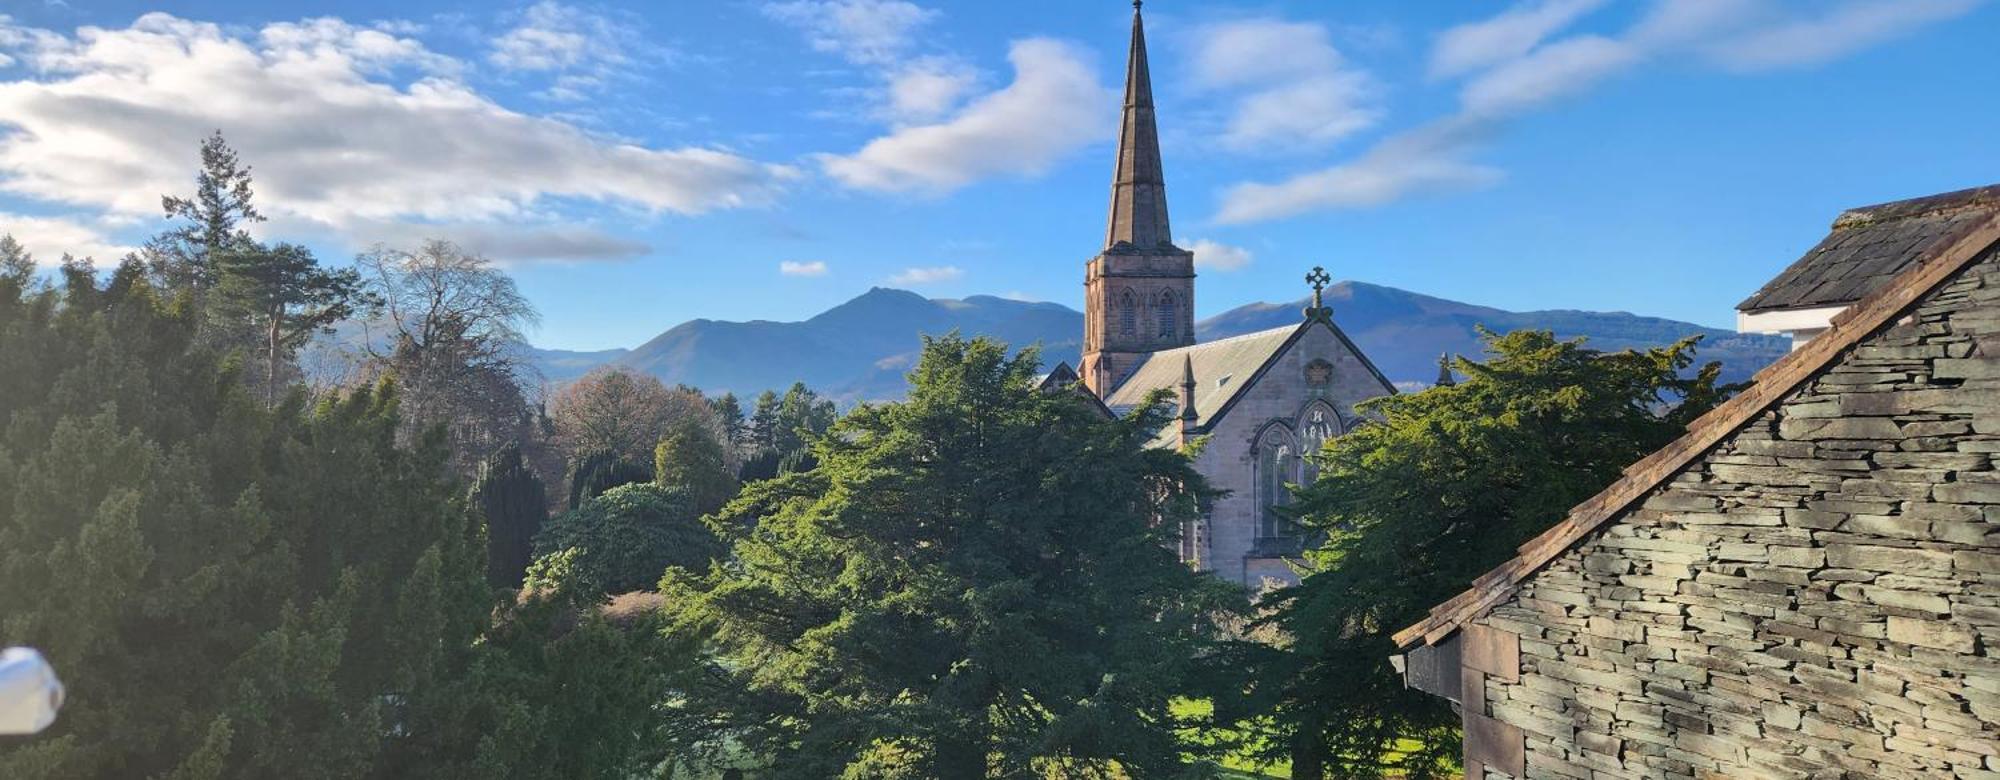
1139	187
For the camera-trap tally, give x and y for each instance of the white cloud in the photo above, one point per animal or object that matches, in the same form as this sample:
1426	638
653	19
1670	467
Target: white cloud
1470	47
1557	70
111	119
927	88
48	238
1054	107
806	268
1308	96
1422	161
507	244
881	36
864	32
928	275
1216	256
1021	295
1848	28
1511	68
583	51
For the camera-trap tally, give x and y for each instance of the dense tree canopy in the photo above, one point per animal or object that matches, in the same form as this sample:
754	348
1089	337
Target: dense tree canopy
627	537
974	582
229	592
1444	486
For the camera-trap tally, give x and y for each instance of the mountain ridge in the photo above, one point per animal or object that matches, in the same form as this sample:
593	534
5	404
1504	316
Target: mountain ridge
861	348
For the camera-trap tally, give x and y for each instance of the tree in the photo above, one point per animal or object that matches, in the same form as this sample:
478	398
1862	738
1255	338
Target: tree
764	422
1444	487
450	332
612	409
593	474
561	687
17	267
230	590
730	411
514	505
975	582
286	296
690	459
183	258
623	540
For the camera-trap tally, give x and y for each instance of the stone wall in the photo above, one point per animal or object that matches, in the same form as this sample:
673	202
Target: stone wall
1817	597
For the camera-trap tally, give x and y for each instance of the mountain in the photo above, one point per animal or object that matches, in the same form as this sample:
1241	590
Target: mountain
862	348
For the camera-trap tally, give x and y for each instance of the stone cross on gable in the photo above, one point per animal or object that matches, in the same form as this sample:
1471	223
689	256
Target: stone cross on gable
1318	278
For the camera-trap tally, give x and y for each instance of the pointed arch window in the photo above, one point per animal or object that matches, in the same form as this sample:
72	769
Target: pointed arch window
1128	314
1167	314
1277	466
1318	423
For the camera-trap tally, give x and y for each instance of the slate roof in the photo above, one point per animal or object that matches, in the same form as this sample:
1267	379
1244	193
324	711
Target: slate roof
1943	254
1222	370
1871	245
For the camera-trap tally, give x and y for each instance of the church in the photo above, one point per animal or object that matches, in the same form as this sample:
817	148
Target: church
1262	399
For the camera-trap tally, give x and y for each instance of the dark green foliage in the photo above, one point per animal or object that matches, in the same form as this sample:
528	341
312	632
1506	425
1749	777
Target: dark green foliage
782	431
512	501
593	474
280	297
975	582
626	537
561	687
228	591
1444	487
690	459
17	267
184	257
734	429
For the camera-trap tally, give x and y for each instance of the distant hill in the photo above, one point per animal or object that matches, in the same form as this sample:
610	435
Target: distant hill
862	348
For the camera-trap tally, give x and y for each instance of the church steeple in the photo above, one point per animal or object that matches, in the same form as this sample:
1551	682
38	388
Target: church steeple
1139	185
1139	290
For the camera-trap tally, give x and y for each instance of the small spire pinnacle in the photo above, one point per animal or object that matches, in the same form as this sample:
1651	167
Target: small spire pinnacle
1187	369
1445	378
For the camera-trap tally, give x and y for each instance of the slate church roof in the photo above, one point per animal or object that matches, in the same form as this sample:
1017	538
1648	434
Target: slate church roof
1223	369
1869	246
1902	251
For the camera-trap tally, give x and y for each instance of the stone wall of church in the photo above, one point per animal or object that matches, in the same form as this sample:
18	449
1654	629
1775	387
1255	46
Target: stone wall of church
1271	407
1819	596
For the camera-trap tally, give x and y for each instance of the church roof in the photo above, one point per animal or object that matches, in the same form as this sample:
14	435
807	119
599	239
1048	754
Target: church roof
1139	185
1223	369
1869	246
1943	254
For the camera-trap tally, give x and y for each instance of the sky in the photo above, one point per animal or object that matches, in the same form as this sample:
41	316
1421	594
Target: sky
638	165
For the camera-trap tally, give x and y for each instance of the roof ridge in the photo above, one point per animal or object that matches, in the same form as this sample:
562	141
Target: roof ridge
1928	205
1771	387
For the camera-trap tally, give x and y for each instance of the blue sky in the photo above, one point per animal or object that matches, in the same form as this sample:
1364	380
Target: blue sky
635	166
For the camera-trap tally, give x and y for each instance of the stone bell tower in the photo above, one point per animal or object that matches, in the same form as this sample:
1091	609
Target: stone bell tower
1139	291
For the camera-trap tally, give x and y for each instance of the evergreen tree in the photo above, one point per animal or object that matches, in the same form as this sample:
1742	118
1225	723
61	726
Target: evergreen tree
1443	488
17	267
730	411
183	258
974	582
229	591
624	539
597	472
690	459
284	295
764	422
511	499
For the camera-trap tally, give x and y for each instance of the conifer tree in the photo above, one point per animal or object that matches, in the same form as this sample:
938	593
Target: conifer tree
511	499
183	258
974	582
690	459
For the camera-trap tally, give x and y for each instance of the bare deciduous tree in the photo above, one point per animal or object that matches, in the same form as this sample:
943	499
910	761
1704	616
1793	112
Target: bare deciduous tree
450	332
612	409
